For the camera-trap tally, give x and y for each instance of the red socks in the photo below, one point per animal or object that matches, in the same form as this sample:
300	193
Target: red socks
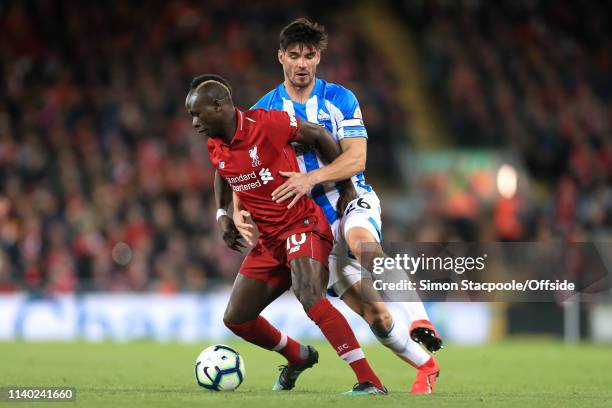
334	327
261	333
338	333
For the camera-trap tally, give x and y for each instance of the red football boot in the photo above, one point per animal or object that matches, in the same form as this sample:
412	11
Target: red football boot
426	377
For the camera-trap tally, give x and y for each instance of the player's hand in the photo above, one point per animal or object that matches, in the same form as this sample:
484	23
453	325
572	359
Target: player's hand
297	185
246	226
230	233
347	194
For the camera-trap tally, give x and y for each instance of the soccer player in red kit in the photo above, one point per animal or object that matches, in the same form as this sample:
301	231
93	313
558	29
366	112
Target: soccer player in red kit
249	149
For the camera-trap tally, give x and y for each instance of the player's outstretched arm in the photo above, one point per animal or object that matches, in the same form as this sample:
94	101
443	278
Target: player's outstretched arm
343	165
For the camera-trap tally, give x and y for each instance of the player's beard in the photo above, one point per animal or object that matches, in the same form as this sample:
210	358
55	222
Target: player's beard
301	82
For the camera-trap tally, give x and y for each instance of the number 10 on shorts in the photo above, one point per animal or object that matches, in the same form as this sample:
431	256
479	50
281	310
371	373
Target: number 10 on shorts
294	242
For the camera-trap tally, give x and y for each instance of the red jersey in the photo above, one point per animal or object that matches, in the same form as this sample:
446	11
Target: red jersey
251	163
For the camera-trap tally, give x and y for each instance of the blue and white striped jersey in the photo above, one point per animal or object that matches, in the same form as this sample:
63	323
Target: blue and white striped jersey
334	107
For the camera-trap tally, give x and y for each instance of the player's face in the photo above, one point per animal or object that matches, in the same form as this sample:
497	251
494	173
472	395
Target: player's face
299	64
205	118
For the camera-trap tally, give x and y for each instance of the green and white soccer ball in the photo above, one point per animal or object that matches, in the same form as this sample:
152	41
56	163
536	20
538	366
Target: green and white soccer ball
219	368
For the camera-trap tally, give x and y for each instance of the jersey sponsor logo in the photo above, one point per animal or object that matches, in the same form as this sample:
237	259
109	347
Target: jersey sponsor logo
241	178
249	181
295	241
238	182
266	175
323	116
254	157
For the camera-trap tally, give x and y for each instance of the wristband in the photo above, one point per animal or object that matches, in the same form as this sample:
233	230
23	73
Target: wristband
220	213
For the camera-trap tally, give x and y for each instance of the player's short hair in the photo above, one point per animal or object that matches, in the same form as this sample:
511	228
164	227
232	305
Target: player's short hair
303	31
223	85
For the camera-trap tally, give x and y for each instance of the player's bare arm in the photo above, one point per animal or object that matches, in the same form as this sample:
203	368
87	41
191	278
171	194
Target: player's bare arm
244	223
343	165
223	199
223	192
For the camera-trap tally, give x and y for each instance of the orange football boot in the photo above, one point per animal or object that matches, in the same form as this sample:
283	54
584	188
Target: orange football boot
426	377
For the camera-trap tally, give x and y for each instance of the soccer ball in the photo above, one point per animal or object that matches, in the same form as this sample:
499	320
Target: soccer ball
219	368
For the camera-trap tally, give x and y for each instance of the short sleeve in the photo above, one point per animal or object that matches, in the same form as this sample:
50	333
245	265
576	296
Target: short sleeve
281	127
350	121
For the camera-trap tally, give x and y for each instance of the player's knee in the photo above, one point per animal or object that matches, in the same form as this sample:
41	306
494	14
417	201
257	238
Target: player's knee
309	280
353	299
378	317
355	248
359	309
362	244
227	321
309	297
308	293
230	318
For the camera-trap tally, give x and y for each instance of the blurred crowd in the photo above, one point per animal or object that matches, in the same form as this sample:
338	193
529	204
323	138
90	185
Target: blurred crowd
103	183
536	77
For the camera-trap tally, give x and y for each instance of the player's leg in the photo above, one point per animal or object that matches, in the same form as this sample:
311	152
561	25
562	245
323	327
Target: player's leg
361	225
249	298
390	332
255	293
387	325
396	338
358	227
309	278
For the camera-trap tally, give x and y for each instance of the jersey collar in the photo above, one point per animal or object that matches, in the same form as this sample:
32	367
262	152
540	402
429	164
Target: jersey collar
239	134
315	90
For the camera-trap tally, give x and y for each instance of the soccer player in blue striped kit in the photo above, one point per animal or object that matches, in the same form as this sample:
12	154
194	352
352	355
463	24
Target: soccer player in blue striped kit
337	109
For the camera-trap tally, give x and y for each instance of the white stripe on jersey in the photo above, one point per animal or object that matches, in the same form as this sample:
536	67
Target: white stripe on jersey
312	113
288	106
329	105
338	117
312	107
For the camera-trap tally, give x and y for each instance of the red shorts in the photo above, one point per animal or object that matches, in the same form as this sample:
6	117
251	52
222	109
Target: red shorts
270	264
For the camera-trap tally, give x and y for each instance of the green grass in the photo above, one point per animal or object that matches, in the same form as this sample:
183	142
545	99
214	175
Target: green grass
520	373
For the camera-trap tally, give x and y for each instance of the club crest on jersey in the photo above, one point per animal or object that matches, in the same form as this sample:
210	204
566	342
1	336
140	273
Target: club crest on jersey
222	165
323	116
254	157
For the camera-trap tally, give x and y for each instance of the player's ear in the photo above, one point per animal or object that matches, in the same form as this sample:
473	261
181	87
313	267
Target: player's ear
187	98
280	55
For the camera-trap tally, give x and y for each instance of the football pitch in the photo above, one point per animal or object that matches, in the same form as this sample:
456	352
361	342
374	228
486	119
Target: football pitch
519	373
